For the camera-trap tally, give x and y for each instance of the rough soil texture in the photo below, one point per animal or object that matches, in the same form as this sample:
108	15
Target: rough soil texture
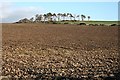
61	52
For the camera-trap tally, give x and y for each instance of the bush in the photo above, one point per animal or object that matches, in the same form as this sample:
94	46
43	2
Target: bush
91	24
73	20
65	23
102	24
18	22
54	22
113	25
96	24
82	24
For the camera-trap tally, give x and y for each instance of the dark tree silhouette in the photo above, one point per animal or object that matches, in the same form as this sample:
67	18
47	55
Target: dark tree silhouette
83	17
54	17
31	19
49	15
88	18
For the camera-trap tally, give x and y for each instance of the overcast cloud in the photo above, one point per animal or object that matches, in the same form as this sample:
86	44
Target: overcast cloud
9	13
12	12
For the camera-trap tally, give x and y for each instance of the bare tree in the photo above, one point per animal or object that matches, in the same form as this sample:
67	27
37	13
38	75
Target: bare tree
49	15
71	16
64	16
58	15
31	19
78	16
54	17
88	18
38	18
74	16
45	17
83	17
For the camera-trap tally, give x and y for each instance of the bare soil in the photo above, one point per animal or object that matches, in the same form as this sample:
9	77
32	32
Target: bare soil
59	51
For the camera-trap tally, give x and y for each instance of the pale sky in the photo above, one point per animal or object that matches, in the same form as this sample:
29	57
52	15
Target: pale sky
13	11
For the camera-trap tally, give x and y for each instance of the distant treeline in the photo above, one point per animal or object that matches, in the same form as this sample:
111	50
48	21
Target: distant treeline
48	17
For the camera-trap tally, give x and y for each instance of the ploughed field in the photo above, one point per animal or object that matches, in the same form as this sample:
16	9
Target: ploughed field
59	51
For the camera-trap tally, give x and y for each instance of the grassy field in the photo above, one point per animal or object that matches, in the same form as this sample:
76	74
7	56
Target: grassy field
102	22
58	51
93	22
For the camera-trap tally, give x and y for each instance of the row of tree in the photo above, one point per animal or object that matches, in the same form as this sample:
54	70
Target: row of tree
56	17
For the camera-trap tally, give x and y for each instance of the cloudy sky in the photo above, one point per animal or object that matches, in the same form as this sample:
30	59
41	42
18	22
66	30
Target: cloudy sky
13	11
